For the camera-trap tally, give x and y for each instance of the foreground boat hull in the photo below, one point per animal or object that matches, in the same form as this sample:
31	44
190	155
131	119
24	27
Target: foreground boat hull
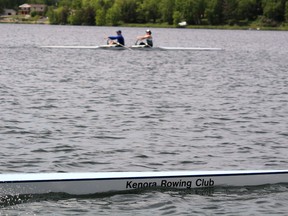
91	183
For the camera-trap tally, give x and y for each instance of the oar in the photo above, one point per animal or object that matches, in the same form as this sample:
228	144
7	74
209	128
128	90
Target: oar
124	46
136	43
118	44
148	45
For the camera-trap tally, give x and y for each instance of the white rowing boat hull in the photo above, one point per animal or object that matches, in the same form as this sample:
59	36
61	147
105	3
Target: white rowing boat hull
191	48
70	47
91	183
136	47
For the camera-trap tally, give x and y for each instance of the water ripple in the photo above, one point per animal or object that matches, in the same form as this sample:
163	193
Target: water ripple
91	110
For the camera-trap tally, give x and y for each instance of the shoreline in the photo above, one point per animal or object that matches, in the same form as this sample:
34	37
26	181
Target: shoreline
153	25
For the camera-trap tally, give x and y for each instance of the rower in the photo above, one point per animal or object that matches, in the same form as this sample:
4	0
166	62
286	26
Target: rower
119	39
148	37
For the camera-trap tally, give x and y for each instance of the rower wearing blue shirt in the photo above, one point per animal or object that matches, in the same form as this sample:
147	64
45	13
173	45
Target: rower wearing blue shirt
119	39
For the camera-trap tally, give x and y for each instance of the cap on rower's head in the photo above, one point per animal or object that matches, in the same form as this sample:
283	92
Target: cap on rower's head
119	32
148	31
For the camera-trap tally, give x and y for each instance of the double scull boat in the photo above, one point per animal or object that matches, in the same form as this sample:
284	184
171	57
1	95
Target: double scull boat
101	182
136	47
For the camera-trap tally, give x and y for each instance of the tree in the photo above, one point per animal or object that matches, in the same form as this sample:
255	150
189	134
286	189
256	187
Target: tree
113	15
65	3
128	10
50	2
51	13
286	12
274	10
88	16
167	10
11	4
63	13
36	2
248	9
215	12
114	12
194	11
101	7
100	17
58	16
229	10
191	11
177	17
75	18
149	9
76	4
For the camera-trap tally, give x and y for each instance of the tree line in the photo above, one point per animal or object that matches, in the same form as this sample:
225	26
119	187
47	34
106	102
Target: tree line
171	12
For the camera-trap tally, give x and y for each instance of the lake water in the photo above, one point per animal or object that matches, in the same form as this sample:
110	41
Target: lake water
84	110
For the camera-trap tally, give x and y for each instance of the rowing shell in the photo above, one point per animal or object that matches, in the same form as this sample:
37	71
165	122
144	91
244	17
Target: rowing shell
92	183
135	47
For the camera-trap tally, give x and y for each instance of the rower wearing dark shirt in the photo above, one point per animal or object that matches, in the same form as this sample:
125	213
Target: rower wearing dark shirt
119	38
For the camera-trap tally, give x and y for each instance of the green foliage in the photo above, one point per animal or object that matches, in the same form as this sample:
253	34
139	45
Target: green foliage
88	16
177	17
100	17
11	4
128	10
230	14
215	12
46	2
113	15
52	15
274	10
194	12
58	16
167	10
149	10
75	18
248	9
286	13
33	14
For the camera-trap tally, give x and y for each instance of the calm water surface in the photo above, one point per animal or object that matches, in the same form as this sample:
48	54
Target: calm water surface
71	110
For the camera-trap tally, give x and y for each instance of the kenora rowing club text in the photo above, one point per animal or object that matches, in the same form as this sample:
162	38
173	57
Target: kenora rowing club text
201	182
